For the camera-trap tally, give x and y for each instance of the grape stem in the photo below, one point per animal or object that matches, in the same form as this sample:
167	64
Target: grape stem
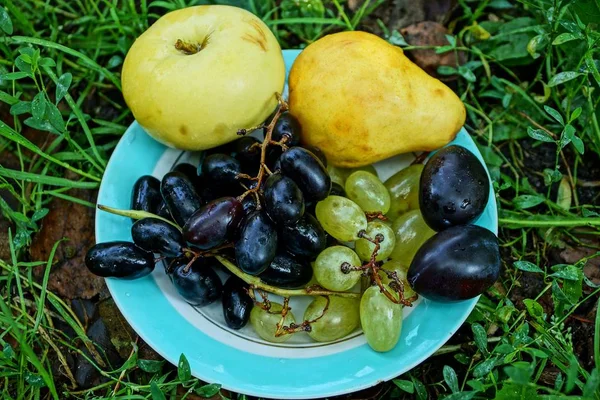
263	169
372	267
265	304
135	214
195	254
376	215
256	283
305	326
420	158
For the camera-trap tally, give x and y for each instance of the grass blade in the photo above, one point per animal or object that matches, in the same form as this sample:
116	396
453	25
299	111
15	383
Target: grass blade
46	180
79	115
295	21
10	134
597	337
42	299
26	348
88	61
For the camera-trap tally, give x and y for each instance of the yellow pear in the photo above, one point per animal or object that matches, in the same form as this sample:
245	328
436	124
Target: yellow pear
361	100
199	74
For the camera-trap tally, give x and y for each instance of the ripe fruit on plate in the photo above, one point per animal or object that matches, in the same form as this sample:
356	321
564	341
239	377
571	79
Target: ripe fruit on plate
456	264
201	73
378	105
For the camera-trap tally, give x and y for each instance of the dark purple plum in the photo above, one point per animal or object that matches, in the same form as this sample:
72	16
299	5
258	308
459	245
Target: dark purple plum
454	188
458	263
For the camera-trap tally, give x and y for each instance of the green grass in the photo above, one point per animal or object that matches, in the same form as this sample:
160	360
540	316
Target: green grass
531	85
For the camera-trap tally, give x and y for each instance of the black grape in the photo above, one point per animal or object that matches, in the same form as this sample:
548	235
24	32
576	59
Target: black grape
146	194
284	201
180	196
287	272
307	171
237	303
119	259
214	224
288	127
199	284
257	245
306	238
158	236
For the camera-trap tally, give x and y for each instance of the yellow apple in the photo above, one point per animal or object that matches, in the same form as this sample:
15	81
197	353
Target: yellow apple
199	74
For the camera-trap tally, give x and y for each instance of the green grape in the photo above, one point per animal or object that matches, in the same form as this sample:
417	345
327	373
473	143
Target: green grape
404	190
411	232
327	268
364	248
366	190
341	218
340	319
401	271
265	322
336	174
367	168
339	175
381	319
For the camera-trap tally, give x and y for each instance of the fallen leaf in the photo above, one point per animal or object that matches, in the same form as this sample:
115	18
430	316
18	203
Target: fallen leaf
428	33
69	276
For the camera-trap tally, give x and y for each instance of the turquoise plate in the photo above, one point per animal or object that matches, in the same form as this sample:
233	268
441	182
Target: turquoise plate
239	360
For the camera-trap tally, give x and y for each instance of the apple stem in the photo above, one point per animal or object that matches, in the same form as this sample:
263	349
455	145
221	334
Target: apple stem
187	47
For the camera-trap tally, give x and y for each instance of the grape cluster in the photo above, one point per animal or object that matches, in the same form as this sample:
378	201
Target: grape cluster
280	220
